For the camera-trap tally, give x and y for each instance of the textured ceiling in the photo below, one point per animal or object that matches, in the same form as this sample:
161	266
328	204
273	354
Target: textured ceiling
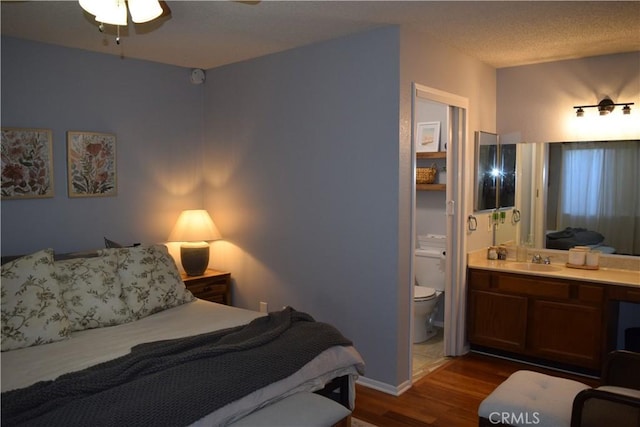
206	34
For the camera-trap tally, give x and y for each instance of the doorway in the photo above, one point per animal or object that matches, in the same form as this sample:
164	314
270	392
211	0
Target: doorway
433	105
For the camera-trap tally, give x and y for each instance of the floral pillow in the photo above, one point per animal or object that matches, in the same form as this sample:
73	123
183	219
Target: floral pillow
32	307
91	291
150	280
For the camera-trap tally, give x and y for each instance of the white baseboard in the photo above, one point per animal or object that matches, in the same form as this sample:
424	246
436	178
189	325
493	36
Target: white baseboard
384	387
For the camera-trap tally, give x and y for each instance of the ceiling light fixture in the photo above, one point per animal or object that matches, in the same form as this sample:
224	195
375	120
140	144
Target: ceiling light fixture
114	12
605	106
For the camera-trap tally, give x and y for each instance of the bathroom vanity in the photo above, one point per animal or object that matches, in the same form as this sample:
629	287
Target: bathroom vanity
547	313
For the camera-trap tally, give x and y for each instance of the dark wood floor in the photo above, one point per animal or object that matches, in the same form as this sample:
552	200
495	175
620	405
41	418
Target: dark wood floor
449	396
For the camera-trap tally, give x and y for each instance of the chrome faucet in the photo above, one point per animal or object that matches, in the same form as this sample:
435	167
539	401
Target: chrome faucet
537	259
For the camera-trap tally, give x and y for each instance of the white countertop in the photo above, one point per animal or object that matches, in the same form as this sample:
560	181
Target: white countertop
608	275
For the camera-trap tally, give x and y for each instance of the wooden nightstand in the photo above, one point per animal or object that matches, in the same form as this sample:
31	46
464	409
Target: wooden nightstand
213	286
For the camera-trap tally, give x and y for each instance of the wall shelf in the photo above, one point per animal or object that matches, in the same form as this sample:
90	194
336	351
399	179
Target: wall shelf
431	187
431	155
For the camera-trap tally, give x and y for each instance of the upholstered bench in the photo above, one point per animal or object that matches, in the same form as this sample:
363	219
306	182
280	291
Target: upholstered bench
529	398
298	410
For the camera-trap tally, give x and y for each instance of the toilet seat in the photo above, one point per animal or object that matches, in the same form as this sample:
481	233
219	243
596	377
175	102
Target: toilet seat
422	293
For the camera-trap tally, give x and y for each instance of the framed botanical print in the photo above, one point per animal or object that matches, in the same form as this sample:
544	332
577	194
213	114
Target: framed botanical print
91	164
27	163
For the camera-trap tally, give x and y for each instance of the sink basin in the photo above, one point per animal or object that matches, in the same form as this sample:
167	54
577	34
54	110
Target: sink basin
529	266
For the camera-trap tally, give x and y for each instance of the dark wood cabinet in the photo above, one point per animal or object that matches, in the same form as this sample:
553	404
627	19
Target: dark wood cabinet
551	319
498	320
213	286
566	332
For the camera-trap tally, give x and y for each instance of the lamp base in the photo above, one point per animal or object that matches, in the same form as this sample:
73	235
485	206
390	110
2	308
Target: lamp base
194	258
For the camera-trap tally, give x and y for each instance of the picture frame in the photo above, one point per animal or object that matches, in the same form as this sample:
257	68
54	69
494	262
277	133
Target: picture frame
427	137
91	164
27	163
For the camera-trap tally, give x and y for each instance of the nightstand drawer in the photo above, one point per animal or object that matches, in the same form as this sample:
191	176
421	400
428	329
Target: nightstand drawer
201	289
213	297
212	286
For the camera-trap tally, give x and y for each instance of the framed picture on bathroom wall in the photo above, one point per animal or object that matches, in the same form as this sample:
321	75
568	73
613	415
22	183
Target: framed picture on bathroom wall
27	163
427	137
91	164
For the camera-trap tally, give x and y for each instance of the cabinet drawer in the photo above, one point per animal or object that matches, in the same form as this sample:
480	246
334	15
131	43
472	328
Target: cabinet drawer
213	297
587	293
534	287
220	280
622	293
200	289
479	279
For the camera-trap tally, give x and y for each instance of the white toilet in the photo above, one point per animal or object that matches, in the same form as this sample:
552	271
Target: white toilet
429	266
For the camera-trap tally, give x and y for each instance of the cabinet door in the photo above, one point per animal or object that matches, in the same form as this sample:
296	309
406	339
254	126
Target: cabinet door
497	320
566	332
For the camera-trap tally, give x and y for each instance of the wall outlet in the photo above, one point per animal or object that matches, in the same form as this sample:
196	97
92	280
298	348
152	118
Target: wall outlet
264	307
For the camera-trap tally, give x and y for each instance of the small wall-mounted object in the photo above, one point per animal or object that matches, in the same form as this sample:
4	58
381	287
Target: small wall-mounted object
605	106
197	76
515	216
472	223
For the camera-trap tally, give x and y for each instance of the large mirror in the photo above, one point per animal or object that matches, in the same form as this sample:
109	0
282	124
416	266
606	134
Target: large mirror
580	193
495	164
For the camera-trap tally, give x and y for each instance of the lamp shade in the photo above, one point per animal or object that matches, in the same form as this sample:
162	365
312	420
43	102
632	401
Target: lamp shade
194	226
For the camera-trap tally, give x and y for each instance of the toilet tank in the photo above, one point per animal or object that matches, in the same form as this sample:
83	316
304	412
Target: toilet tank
429	265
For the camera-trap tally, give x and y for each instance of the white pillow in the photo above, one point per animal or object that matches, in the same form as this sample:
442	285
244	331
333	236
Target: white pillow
150	279
32	307
91	291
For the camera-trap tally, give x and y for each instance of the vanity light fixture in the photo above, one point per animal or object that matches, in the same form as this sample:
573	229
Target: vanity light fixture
605	106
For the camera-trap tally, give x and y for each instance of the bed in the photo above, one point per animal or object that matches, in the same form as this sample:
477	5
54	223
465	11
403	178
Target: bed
574	236
38	373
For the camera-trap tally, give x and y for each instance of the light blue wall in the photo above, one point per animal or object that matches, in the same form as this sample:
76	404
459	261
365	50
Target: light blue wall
301	158
156	115
302	179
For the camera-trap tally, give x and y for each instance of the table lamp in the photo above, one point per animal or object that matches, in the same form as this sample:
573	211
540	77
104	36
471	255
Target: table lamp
195	229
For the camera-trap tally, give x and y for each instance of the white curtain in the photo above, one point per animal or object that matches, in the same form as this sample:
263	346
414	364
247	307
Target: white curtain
600	191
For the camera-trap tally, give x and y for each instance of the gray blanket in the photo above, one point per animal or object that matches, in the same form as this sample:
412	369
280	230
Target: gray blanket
175	382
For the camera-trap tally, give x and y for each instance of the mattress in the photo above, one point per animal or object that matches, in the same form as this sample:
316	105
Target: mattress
23	367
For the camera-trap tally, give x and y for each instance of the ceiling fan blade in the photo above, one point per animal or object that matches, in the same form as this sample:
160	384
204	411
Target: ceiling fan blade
166	11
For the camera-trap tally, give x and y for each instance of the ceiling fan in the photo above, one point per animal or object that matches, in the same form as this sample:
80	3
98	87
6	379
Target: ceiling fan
115	12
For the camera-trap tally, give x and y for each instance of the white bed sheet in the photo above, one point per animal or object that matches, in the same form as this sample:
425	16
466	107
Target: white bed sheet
23	367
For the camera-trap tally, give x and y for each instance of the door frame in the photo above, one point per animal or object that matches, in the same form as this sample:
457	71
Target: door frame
456	205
